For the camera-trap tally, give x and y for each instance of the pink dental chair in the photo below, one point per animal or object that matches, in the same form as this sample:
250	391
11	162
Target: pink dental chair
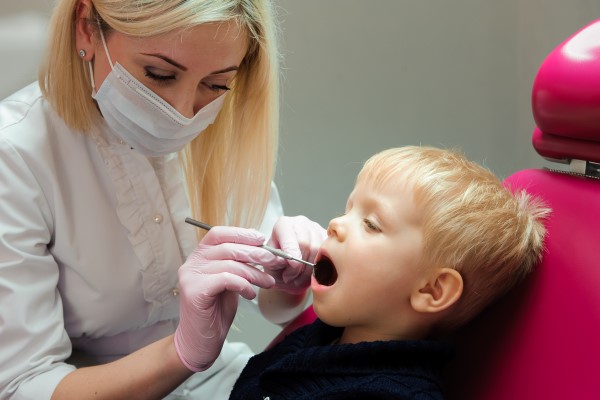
542	340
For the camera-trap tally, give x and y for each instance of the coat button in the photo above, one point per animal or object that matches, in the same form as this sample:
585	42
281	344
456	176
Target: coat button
157	218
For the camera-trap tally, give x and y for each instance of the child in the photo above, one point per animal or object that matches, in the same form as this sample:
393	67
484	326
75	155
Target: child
428	239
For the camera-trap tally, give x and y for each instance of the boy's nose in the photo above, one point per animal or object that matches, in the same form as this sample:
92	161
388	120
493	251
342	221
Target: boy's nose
336	229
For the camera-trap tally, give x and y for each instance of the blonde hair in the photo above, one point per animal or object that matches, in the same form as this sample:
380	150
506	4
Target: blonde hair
230	166
471	222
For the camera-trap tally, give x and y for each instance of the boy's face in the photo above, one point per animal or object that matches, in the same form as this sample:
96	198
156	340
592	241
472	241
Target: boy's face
369	265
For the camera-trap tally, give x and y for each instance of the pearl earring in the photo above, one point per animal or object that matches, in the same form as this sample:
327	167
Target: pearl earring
82	53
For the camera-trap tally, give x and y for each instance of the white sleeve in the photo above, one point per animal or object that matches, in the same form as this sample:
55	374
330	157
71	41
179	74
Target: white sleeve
273	212
34	341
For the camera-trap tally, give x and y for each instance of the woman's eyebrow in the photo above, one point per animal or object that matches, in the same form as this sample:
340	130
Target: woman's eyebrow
167	59
184	68
224	70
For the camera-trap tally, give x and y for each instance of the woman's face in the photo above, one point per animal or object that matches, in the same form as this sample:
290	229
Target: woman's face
187	68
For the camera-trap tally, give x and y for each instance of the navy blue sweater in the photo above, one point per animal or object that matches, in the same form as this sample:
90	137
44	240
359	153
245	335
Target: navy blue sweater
306	366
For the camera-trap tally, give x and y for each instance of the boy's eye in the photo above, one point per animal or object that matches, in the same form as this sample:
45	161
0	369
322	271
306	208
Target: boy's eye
371	225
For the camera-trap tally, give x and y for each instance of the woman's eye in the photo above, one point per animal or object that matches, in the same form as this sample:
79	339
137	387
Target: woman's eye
371	225
158	77
217	88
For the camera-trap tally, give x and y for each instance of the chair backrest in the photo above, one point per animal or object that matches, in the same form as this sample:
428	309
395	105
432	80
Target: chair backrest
542	340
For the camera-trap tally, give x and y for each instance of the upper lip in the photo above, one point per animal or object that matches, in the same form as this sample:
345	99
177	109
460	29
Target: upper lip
322	253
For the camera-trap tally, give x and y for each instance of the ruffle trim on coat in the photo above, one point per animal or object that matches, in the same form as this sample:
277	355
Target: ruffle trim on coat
159	254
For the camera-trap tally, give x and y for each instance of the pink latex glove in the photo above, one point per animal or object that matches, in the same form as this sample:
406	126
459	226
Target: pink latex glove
209	283
301	238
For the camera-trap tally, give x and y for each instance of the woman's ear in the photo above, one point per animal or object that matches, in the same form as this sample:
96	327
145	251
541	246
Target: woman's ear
83	30
440	291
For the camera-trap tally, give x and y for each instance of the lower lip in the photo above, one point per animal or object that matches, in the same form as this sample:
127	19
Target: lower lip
317	287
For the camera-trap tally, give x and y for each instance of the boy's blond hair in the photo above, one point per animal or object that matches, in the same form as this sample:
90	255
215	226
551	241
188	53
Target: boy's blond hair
231	165
471	222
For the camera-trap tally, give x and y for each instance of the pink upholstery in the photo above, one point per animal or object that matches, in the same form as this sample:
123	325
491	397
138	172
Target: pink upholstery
542	340
566	99
305	318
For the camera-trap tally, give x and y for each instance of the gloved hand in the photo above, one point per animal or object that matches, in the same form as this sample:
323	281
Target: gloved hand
209	284
301	238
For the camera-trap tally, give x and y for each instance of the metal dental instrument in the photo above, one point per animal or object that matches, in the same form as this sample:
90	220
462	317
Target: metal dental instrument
273	250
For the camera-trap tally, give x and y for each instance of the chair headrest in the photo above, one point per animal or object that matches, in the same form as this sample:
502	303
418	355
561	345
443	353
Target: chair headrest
566	99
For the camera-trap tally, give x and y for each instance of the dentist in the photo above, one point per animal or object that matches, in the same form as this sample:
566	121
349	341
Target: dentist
145	112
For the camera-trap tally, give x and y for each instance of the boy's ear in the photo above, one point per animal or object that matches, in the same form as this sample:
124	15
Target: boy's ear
442	290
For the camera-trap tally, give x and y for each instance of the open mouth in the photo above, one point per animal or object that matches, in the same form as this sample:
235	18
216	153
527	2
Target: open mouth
325	272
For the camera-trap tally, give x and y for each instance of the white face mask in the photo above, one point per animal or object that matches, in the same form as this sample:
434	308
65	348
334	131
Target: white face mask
142	118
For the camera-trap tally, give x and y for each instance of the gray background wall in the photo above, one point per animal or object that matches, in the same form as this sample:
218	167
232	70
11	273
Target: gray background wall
365	75
360	76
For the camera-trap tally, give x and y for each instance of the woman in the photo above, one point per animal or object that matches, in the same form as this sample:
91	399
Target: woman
104	290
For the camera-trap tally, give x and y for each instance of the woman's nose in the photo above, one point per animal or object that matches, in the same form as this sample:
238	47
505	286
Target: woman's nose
188	104
183	107
336	229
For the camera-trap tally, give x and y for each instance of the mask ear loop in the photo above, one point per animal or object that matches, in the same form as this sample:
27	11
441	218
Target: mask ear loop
90	67
104	44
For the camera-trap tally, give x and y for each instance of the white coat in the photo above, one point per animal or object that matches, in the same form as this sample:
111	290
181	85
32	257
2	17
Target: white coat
91	236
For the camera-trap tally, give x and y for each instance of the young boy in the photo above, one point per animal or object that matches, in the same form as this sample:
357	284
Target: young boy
428	239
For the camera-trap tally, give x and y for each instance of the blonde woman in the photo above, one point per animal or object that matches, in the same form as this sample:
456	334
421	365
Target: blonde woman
144	113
